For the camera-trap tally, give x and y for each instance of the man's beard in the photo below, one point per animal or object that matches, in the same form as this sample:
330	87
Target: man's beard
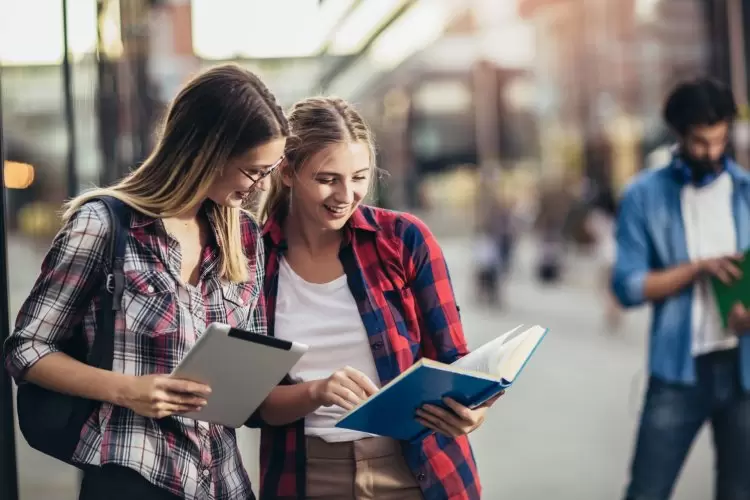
701	167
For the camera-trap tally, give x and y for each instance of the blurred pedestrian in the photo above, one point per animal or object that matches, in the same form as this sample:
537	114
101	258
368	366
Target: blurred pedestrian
493	246
488	264
555	204
677	228
600	224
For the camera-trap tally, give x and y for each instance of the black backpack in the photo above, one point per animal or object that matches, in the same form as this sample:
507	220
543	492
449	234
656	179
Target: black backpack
52	422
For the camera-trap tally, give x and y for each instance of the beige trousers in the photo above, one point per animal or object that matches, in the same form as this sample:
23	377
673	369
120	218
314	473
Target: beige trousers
368	469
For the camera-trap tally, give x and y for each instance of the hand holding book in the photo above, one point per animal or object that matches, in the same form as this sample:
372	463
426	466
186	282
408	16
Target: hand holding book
739	319
472	383
457	420
725	269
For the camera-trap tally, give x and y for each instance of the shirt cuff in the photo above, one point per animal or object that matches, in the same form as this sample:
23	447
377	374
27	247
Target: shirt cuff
635	287
23	357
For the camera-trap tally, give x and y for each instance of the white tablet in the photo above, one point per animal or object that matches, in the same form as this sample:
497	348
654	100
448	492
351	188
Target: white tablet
240	367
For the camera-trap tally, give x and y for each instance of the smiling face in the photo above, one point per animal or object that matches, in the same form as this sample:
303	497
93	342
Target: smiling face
330	186
246	174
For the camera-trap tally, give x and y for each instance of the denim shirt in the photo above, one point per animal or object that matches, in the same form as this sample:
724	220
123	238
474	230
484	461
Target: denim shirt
650	236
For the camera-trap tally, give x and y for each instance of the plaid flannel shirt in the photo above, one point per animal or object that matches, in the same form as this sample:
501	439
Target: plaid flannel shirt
399	280
159	322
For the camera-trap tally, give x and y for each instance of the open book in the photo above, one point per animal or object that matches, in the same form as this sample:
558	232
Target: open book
471	380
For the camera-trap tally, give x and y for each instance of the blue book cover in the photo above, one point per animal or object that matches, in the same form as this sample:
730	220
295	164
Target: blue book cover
471	381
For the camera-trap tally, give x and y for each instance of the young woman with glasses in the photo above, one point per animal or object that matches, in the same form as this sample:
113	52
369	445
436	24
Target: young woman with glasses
192	257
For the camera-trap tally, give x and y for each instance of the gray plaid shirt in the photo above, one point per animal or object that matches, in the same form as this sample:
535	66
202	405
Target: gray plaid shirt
160	320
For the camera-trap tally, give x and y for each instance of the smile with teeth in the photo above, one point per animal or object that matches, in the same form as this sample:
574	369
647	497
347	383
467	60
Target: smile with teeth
337	210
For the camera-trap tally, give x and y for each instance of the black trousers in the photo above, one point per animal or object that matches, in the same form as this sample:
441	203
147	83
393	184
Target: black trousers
113	482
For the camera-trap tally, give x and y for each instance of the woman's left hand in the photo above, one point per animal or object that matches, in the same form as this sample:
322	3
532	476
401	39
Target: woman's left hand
458	422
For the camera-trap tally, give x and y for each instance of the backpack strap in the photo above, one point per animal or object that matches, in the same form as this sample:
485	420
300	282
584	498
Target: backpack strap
110	295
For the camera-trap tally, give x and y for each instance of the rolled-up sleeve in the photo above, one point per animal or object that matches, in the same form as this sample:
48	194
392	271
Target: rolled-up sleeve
632	262
440	323
61	293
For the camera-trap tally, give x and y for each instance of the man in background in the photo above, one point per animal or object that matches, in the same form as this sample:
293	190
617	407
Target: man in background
678	227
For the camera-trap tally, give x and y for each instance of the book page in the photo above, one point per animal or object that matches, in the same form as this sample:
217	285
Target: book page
485	358
515	355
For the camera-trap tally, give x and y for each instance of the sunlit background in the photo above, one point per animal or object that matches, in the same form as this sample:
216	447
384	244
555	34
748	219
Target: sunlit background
515	116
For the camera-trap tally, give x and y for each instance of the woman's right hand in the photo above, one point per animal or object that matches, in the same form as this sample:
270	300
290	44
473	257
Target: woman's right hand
159	396
346	388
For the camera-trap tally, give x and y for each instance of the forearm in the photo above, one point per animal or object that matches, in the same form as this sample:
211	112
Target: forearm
61	373
288	403
662	284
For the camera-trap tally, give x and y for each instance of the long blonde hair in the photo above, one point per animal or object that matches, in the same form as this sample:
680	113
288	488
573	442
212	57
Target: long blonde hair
222	112
315	123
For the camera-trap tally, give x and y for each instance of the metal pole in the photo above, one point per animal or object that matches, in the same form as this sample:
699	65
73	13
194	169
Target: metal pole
738	73
70	124
716	27
8	468
107	112
143	91
737	51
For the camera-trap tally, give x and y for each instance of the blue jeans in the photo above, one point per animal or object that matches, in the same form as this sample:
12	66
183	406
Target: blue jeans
672	416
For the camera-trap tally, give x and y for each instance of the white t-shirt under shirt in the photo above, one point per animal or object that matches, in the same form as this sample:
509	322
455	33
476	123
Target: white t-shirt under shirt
326	318
709	232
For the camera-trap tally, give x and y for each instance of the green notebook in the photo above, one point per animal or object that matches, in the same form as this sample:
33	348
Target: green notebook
738	291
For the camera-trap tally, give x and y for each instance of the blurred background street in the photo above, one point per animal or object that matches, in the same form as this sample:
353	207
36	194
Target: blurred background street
518	120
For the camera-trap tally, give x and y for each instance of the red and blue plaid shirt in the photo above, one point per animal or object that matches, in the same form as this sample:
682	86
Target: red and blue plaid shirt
399	280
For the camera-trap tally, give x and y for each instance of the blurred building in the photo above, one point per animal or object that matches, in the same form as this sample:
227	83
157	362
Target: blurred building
603	69
411	66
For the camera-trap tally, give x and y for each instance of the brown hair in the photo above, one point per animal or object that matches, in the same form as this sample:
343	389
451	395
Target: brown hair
219	114
315	123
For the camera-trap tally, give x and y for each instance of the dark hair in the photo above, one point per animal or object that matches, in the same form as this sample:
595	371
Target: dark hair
702	101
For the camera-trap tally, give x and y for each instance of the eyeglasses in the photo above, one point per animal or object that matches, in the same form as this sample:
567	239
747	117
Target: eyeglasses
257	177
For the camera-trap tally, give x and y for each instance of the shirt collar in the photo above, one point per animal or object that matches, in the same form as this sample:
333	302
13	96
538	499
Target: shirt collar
362	219
140	220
